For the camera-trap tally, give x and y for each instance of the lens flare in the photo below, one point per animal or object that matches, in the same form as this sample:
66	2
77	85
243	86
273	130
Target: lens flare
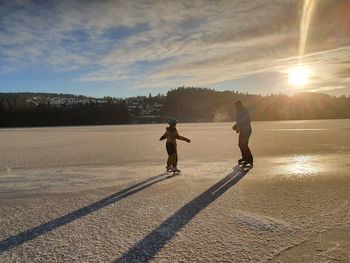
308	8
299	75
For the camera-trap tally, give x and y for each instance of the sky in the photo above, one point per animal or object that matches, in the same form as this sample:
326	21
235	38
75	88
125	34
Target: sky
127	48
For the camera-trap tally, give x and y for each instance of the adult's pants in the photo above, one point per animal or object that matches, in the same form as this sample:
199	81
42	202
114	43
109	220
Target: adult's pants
243	146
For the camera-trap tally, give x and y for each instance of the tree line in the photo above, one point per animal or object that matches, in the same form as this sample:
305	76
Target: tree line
187	104
16	112
207	105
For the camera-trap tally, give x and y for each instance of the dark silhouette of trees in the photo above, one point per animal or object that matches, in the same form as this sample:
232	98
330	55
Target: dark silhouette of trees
188	104
206	105
15	112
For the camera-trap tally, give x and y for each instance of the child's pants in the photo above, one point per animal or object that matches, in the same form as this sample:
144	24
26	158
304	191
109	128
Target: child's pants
172	154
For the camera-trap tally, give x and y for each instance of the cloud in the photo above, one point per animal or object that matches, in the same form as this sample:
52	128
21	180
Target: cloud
344	73
162	44
333	90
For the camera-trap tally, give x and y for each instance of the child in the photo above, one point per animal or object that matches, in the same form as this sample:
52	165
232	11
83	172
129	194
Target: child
171	135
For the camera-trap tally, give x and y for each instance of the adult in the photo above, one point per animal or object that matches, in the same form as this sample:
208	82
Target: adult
244	128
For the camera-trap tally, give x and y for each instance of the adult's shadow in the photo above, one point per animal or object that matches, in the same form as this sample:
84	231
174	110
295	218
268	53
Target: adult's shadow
16	240
146	248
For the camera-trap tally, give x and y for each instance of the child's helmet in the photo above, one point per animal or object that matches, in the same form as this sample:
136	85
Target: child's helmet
172	121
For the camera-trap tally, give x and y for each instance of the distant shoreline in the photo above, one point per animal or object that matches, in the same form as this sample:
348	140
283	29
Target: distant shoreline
143	124
187	104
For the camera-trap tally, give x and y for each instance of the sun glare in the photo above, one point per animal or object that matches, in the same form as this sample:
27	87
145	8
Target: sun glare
299	76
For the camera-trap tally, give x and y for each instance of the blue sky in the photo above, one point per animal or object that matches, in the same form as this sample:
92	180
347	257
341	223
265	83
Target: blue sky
127	48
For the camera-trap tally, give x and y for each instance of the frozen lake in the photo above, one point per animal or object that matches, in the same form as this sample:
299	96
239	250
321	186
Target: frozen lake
100	194
50	159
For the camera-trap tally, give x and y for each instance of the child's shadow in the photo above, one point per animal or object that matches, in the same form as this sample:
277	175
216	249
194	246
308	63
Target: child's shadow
42	229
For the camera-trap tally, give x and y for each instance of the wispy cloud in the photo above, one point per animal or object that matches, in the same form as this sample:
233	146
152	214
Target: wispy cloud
163	44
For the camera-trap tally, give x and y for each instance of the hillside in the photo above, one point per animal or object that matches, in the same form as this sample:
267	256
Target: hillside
186	104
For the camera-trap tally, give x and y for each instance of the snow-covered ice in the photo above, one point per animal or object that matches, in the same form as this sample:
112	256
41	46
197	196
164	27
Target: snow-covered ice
100	194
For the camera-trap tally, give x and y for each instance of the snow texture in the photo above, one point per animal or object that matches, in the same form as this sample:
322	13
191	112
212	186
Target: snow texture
97	194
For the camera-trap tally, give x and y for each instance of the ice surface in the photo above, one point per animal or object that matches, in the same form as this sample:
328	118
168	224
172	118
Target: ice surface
83	194
74	158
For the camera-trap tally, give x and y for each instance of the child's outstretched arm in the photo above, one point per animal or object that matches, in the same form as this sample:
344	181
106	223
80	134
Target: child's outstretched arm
163	137
182	138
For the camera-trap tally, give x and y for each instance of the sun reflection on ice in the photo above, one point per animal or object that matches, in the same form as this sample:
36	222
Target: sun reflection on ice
302	165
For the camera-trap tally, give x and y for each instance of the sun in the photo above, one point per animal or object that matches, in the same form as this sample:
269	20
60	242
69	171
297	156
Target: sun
299	75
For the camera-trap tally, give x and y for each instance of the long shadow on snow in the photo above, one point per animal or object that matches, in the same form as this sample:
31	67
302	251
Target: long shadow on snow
42	229
146	248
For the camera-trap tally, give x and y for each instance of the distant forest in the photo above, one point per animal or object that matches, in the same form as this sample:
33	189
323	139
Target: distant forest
16	112
187	104
206	105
